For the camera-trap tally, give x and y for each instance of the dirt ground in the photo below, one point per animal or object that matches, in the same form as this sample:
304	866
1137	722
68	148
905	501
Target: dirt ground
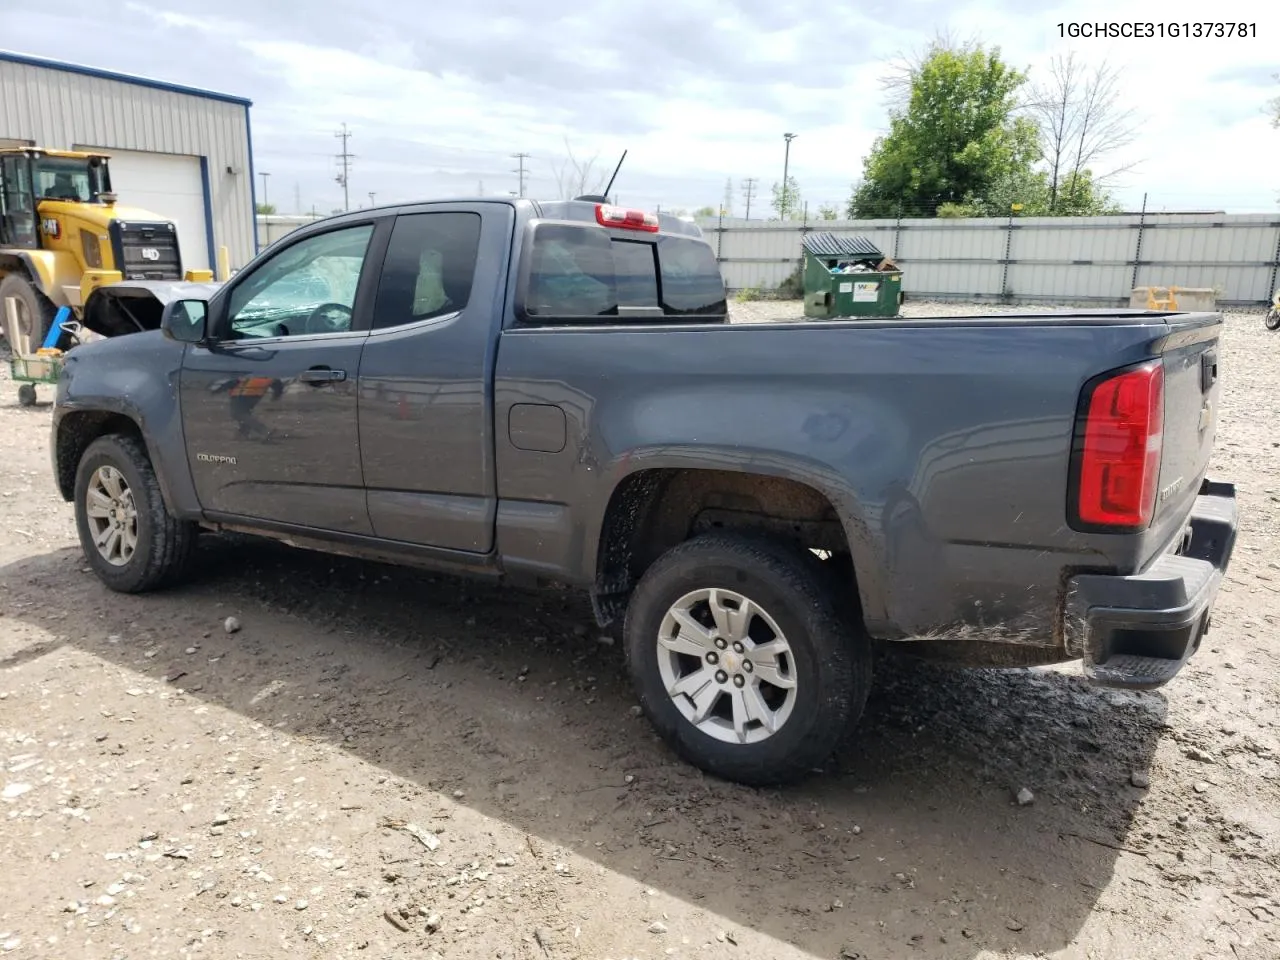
387	764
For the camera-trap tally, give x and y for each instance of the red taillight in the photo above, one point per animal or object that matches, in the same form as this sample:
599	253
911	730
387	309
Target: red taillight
1120	454
609	216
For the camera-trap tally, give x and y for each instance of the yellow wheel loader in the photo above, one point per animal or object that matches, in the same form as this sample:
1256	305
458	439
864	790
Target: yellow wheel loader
64	241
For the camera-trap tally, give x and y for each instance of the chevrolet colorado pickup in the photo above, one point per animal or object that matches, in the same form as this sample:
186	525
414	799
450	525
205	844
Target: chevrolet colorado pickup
552	393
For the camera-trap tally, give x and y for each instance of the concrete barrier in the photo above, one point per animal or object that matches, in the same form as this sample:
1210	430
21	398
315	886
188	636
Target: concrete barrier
1187	298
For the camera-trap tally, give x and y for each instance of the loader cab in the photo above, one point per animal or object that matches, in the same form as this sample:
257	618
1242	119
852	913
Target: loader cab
29	176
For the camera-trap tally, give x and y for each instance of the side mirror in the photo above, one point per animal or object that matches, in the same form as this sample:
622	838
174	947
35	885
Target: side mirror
186	321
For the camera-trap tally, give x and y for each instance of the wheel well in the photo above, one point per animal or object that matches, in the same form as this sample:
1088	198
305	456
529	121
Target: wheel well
652	511
17	266
76	431
12	264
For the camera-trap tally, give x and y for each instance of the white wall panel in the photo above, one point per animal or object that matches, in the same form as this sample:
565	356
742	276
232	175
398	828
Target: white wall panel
59	106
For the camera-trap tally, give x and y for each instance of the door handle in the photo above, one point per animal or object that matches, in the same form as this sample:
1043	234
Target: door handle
317	376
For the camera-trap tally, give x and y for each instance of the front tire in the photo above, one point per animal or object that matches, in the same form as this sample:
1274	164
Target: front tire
743	659
129	538
1273	320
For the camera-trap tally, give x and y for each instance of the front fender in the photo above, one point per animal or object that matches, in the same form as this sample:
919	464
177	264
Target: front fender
51	272
137	378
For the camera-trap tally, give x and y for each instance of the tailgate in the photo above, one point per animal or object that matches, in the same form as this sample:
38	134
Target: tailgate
1191	397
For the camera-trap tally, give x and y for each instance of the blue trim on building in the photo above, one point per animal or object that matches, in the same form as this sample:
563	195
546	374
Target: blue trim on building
208	219
26	60
253	180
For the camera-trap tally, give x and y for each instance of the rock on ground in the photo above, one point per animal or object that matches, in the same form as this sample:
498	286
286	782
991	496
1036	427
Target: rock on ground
189	803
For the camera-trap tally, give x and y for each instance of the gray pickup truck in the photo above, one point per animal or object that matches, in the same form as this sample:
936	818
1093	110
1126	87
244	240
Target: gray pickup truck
552	393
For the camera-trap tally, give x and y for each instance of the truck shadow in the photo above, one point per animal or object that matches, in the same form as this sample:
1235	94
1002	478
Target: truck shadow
911	845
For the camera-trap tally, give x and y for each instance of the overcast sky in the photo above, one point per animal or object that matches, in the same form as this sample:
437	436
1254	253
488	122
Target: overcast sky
439	95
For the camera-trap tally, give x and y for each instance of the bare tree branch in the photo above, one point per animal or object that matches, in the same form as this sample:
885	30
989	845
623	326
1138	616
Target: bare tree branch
575	177
1051	105
904	67
1081	120
1105	126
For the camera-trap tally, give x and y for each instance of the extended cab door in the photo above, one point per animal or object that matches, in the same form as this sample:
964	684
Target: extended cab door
269	408
426	416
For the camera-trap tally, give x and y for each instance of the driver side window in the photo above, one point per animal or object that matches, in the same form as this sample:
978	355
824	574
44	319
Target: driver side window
307	288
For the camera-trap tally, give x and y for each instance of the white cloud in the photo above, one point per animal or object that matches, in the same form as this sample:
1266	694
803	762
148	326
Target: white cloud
696	91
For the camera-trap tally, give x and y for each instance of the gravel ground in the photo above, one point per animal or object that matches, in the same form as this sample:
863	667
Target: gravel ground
381	763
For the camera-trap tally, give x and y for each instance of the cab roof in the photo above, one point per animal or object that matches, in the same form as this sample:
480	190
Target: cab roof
43	152
583	209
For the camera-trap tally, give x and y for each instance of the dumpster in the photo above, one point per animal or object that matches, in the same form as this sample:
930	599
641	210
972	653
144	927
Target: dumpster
849	277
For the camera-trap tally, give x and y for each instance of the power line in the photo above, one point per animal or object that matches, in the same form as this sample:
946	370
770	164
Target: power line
748	191
521	157
345	158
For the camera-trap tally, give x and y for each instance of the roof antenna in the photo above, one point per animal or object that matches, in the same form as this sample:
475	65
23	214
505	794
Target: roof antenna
609	186
604	197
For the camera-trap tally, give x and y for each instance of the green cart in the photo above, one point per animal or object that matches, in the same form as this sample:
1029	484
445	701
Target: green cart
29	371
45	365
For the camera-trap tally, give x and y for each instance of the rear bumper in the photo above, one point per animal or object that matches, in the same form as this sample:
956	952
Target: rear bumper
1140	630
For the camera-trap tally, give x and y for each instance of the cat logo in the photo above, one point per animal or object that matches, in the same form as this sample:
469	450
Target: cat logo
51	227
150	253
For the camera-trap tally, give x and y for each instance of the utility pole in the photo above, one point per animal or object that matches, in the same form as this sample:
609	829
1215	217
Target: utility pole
297	197
263	174
786	187
521	157
371	196
726	207
345	158
480	189
748	191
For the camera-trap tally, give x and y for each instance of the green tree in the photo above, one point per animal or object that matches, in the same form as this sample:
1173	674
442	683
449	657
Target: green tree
1076	195
828	211
955	138
705	213
266	209
786	201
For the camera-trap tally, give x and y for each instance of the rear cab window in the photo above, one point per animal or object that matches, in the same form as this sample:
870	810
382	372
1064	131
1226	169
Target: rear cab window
581	272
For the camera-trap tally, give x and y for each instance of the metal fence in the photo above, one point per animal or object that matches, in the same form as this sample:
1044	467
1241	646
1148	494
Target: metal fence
271	227
1084	260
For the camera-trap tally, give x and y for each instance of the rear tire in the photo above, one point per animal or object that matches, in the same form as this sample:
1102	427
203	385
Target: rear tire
1273	320
27	395
704	673
129	538
35	312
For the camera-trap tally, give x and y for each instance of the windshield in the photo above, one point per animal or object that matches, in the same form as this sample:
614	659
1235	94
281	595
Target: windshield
69	178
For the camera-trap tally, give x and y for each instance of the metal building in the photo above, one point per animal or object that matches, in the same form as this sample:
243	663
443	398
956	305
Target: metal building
184	154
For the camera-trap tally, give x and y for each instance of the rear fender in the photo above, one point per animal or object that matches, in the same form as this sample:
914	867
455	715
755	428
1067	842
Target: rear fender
867	559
